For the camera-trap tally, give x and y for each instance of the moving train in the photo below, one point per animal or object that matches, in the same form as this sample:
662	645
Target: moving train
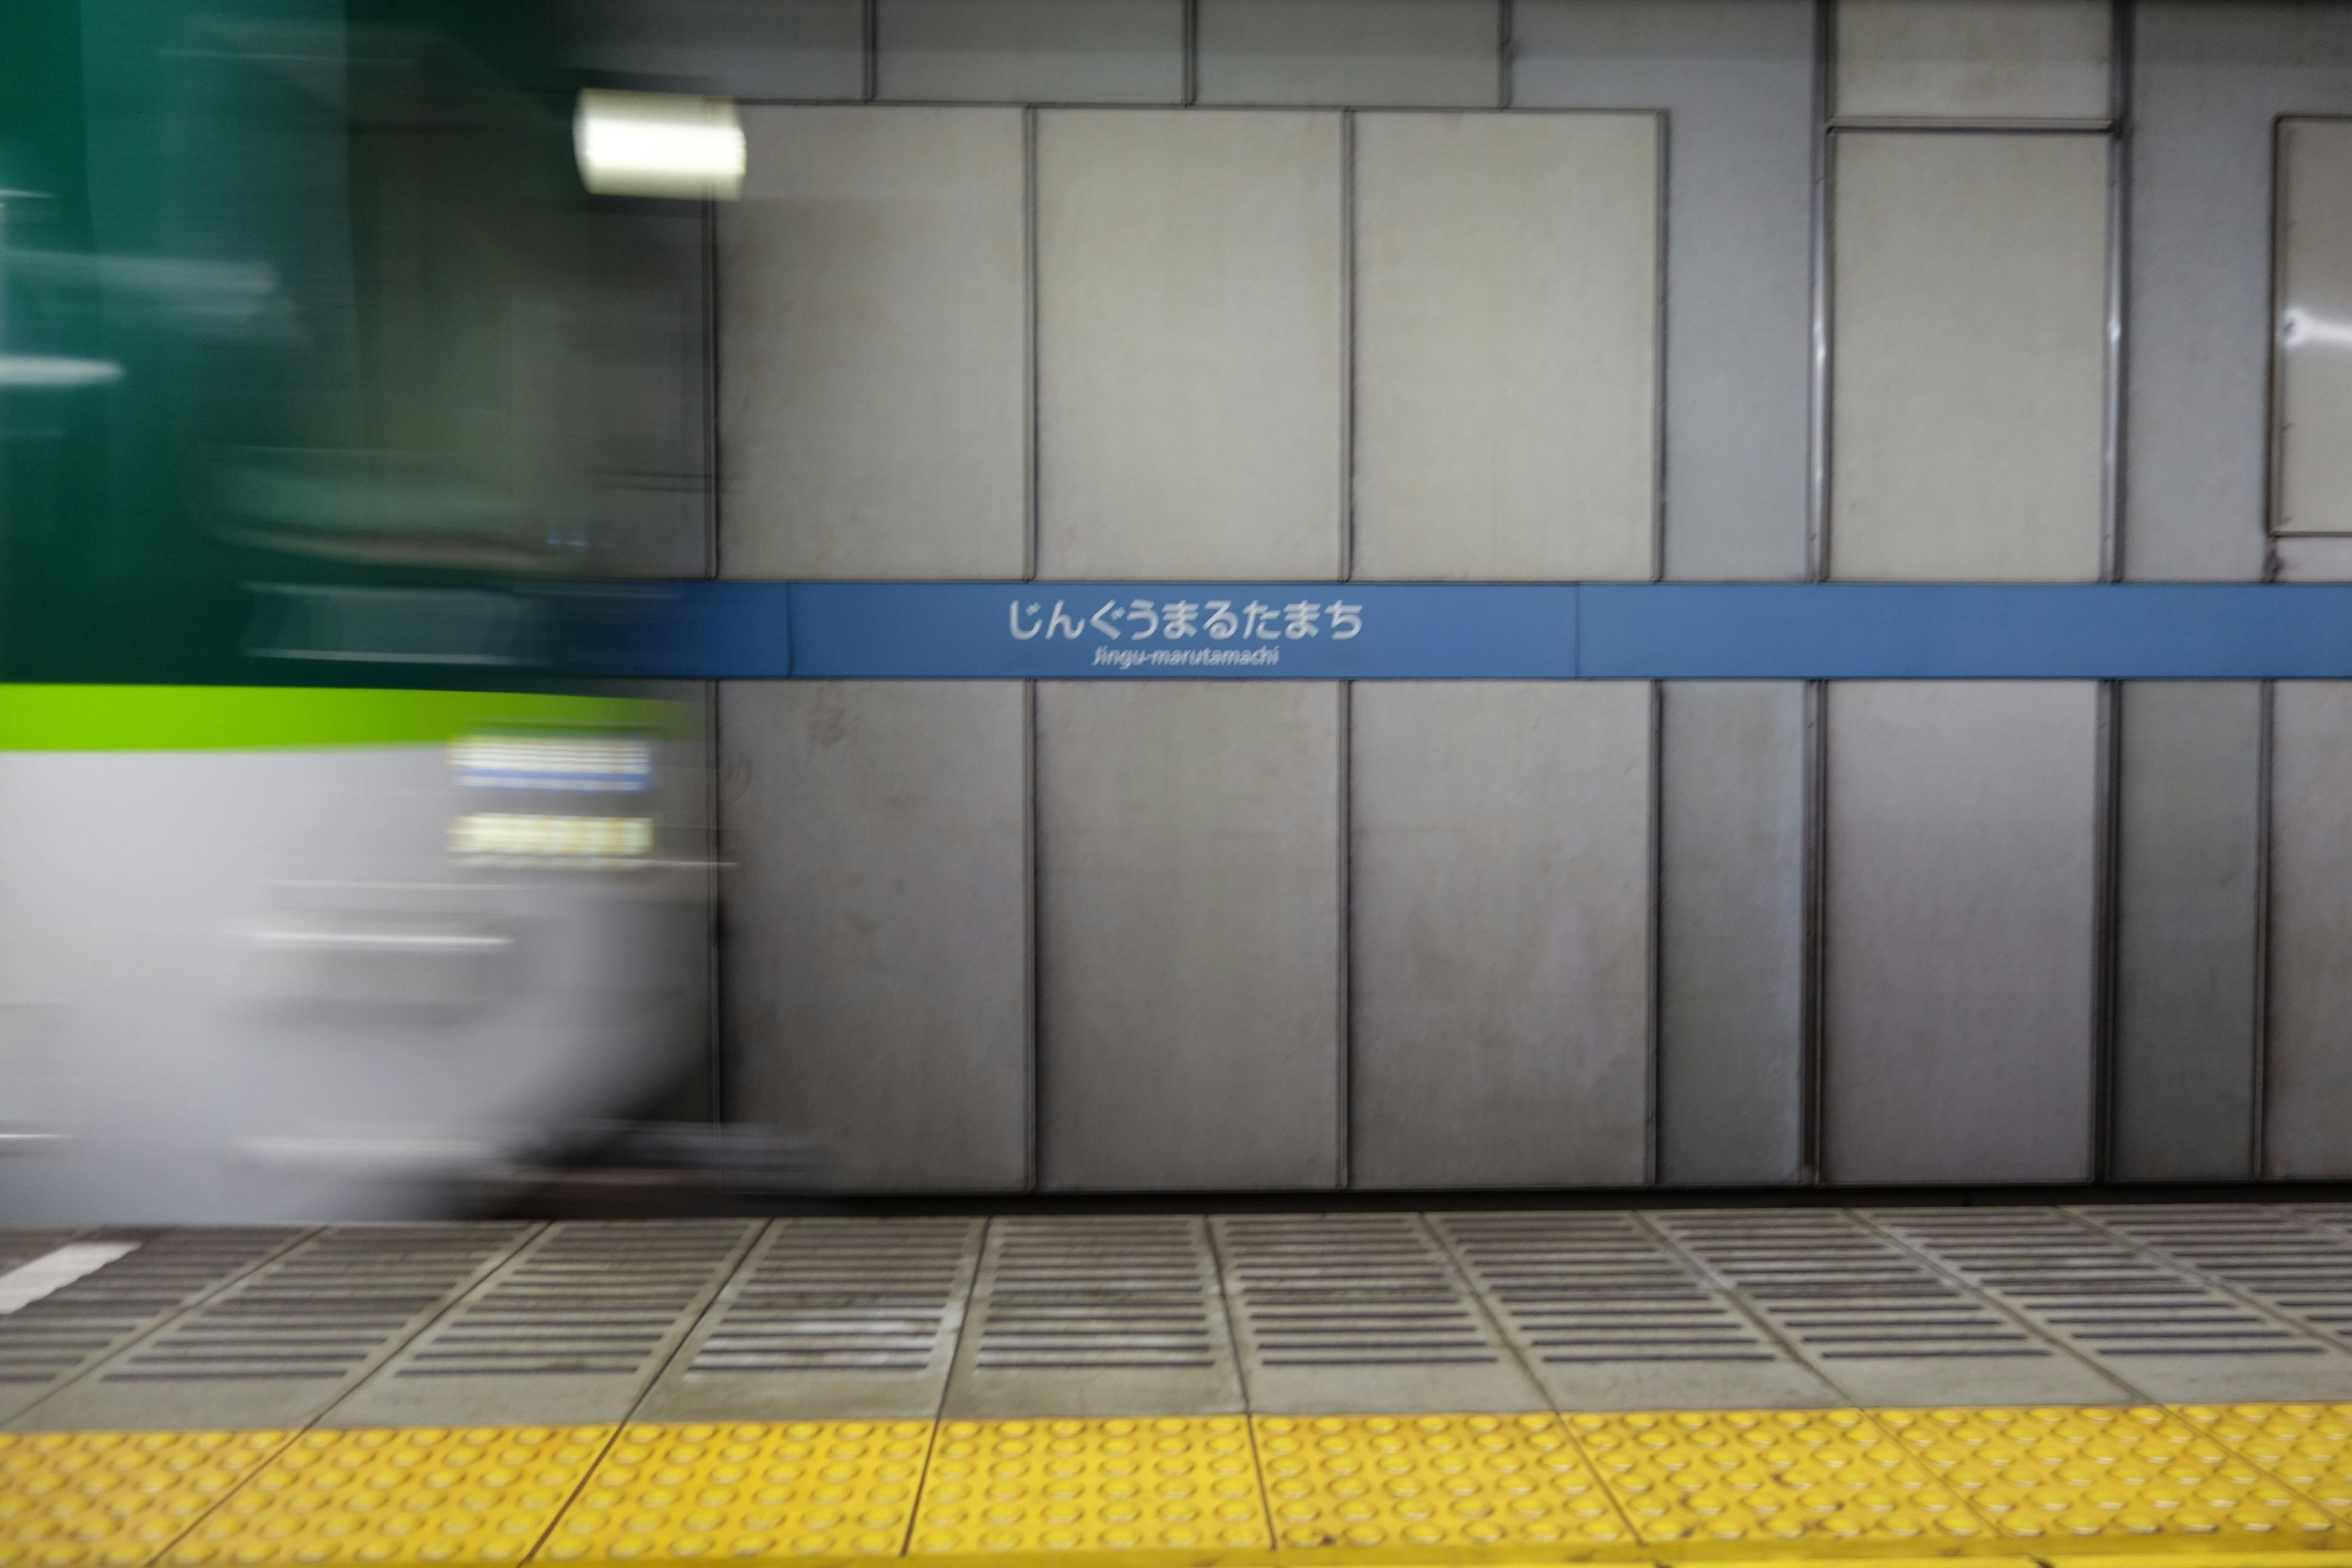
332	883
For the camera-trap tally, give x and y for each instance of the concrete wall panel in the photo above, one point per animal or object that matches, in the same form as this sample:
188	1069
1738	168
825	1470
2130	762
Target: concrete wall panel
2209	78
1506	337
876	957
1735	81
1974	59
1969	356
1188	345
2314	361
2309	1071
1352	53
1501	962
1189	876
2310	559
741	48
1962	867
1031	51
874	356
1731	963
2187	959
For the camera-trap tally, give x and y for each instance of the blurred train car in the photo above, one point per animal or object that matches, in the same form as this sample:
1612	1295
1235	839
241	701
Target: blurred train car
329	887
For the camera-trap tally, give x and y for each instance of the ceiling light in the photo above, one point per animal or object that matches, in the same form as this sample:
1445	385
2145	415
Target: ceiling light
658	144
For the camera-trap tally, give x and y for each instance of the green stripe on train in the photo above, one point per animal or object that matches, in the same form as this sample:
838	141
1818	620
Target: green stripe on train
243	718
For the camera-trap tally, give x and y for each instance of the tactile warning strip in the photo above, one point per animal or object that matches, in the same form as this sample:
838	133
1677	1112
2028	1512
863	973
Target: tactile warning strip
748	1490
1428	1481
1670	1487
2061	1472
995	1486
412	1495
115	1499
1761	1475
2308	1447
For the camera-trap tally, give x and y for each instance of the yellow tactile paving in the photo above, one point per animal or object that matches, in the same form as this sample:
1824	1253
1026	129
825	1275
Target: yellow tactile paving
1761	1475
115	1499
2204	1554
1426	1480
410	1495
2056	1472
748	1490
2308	1447
995	1486
2211	1486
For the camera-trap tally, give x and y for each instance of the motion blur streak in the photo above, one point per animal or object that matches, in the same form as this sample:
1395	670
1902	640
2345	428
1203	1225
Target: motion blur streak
327	887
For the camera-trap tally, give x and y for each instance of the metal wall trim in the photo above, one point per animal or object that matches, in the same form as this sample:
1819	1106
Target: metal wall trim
1192	51
2111	514
1817	511
1653	937
1032	481
1813	986
1507	50
714	757
1813	1005
1662	297
2258	1135
2274	400
2106	922
1343	1165
1347	345
1033	978
1936	125
869	48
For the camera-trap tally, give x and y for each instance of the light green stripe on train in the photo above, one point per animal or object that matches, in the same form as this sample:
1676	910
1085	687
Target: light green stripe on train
43	718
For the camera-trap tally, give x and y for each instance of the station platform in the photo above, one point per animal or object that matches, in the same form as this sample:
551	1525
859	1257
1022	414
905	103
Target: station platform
1481	1386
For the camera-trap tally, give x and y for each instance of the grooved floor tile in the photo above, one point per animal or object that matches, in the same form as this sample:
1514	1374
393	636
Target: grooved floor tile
419	1494
748	1490
2057	1472
115	1499
1427	1480
2309	1446
1189	1481
1770	1475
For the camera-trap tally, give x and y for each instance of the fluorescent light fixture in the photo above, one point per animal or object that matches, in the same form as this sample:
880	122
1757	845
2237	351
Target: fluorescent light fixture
658	144
2300	328
521	835
53	371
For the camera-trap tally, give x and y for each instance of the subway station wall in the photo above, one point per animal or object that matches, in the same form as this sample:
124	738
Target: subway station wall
1551	290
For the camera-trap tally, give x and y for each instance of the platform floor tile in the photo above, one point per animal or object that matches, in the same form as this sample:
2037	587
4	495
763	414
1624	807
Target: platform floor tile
116	1499
1429	1480
400	1495
836	1488
2057	1473
1177	1481
1764	1476
2308	1447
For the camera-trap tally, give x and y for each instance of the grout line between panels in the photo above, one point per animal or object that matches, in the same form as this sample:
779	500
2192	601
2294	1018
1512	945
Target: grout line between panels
1998	1308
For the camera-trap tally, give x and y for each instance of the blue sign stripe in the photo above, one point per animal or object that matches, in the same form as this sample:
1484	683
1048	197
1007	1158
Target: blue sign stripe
675	630
1853	631
1360	631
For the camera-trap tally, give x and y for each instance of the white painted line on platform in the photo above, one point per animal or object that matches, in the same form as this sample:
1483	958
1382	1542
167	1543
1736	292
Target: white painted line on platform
52	1271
